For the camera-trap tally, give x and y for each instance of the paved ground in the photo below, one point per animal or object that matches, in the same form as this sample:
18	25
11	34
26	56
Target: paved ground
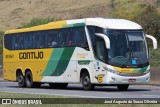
75	90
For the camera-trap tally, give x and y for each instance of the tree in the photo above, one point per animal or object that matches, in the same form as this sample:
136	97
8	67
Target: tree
113	4
150	21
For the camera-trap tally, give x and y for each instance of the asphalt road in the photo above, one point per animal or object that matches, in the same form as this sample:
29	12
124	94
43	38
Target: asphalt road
76	90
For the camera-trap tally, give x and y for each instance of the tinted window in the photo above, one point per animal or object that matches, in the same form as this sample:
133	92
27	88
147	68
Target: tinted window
38	40
51	38
21	39
65	37
79	37
16	41
100	48
28	44
8	41
92	30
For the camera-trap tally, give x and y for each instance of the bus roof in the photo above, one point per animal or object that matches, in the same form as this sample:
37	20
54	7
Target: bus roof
100	22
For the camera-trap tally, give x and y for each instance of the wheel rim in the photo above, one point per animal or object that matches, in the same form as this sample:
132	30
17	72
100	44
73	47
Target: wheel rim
20	79
86	81
28	79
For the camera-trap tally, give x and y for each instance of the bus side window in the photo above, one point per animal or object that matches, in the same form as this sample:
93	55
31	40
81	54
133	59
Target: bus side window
52	38
80	37
91	31
33	40
60	38
21	41
70	38
8	41
83	39
76	37
64	37
27	41
16	41
39	40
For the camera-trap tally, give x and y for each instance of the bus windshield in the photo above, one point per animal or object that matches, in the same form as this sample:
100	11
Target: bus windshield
127	48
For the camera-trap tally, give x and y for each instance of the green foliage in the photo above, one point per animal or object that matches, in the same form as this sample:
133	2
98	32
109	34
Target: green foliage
127	9
38	21
150	21
1	33
146	15
154	58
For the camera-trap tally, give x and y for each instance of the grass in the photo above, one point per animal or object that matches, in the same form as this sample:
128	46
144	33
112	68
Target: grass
13	95
85	105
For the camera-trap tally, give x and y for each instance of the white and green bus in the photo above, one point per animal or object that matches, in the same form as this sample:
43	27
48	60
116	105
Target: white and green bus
91	51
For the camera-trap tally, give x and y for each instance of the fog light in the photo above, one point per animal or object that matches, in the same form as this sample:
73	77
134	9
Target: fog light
114	79
147	78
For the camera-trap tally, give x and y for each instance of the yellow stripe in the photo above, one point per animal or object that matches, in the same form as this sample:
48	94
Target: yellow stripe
52	25
123	70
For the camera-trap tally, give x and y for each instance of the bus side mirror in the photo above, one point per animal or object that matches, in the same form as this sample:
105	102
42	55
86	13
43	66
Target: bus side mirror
153	40
106	39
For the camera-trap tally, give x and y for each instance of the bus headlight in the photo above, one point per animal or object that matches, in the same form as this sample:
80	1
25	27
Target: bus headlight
146	72
112	71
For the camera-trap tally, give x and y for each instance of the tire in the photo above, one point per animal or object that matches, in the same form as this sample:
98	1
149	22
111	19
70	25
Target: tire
86	82
29	80
21	80
58	85
123	87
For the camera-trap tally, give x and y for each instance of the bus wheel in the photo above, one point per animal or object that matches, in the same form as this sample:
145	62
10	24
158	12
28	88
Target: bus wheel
86	82
29	80
123	87
21	80
58	85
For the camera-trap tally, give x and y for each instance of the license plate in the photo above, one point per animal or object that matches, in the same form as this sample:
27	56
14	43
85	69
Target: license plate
131	80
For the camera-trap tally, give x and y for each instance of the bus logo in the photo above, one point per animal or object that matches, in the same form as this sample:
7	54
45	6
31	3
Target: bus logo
100	78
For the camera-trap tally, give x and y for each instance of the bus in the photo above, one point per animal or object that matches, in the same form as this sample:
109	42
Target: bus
90	51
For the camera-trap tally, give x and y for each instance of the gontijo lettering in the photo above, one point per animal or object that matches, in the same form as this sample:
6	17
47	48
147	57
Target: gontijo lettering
31	55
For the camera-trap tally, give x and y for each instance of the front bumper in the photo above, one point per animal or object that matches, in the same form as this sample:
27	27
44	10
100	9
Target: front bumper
112	78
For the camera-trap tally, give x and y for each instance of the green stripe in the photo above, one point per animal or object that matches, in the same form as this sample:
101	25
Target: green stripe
69	25
140	70
73	25
63	62
84	62
79	24
53	62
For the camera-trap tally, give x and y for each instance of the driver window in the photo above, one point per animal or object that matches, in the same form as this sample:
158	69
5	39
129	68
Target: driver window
100	48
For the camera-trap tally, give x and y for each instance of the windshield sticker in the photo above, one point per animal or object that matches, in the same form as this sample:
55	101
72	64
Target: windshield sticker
134	62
